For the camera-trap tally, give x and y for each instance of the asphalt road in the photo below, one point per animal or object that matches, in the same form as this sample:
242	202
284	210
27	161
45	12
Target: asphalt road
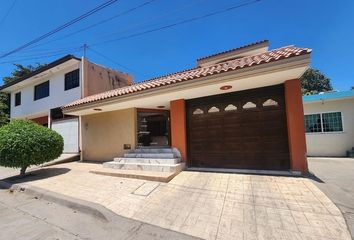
25	217
335	177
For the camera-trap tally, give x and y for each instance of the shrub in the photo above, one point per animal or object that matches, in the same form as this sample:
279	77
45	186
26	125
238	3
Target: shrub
24	143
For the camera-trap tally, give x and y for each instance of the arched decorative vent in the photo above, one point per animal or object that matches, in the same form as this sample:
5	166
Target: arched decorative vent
249	105
270	102
198	111
230	107
213	110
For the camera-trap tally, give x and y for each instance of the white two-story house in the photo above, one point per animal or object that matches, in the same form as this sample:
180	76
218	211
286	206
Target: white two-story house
40	95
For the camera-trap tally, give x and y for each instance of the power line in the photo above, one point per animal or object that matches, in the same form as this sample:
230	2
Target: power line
77	19
98	23
40	57
128	27
165	13
8	12
113	61
58	50
179	23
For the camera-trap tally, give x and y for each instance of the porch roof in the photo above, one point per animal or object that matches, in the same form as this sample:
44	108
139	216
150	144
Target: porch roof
195	73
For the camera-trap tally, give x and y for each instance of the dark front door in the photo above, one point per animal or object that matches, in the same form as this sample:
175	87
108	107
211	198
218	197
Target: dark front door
245	129
153	127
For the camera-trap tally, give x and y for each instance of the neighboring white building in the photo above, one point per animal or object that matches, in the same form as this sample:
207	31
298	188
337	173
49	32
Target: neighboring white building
329	122
40	95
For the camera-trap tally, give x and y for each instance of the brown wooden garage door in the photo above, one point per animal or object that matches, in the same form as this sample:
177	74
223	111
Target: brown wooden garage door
245	129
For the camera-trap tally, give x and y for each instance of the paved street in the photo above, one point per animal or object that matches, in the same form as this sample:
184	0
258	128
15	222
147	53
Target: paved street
206	205
25	217
336	180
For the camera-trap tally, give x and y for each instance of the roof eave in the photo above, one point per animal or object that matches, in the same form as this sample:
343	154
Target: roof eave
288	63
42	69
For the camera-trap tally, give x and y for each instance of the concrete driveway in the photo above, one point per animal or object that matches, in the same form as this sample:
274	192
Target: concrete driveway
207	205
335	177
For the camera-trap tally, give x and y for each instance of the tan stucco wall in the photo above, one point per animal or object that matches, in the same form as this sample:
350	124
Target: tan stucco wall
99	79
331	144
103	134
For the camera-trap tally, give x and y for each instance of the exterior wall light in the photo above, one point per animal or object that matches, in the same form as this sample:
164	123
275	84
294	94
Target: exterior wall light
226	87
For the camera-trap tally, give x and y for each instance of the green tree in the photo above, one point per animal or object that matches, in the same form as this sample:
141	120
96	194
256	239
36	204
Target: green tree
18	72
313	82
24	143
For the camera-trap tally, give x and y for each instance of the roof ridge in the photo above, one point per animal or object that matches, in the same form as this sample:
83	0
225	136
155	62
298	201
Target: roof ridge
215	64
234	49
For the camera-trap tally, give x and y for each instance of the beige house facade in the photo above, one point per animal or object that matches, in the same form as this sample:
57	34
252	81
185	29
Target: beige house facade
238	109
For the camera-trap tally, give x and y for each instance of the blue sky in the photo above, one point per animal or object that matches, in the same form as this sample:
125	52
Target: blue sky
325	26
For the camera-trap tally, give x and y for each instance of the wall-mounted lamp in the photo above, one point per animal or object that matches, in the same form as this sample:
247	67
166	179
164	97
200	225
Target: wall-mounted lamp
226	87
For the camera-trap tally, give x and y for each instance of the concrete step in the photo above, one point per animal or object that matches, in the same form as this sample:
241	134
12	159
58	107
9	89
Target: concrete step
148	160
152	150
149	155
145	166
143	175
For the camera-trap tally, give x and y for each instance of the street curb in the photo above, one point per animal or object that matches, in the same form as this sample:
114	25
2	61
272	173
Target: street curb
93	209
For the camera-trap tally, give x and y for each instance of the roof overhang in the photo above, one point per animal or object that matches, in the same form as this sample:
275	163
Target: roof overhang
322	100
41	73
269	74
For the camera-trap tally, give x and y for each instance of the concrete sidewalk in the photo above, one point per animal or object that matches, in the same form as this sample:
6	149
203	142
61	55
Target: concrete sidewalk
24	217
207	205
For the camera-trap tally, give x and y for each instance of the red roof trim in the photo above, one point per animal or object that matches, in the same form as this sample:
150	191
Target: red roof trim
195	73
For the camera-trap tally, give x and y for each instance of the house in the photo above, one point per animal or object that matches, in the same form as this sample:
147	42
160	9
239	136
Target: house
40	95
241	109
329	122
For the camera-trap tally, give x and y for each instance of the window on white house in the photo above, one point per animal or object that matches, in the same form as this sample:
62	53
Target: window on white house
41	90
332	122
72	79
18	99
324	122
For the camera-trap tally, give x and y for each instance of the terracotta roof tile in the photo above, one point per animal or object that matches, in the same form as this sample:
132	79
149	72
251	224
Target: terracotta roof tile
198	72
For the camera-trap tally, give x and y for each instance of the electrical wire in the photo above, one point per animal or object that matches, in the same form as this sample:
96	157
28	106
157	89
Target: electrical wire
189	20
98	23
113	61
8	12
40	57
75	20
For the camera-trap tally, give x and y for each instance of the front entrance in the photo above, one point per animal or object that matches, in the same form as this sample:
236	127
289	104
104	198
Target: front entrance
246	129
153	127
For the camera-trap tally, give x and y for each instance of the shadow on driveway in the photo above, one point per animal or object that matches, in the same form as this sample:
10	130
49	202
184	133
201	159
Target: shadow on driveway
315	178
37	175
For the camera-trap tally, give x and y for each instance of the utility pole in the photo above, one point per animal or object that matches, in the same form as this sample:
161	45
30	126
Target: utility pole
85	48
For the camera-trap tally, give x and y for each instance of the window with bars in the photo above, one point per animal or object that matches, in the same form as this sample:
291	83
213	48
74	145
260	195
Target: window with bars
324	122
332	122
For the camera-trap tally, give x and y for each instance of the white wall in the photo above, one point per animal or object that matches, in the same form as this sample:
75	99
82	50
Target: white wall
331	144
57	96
69	130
